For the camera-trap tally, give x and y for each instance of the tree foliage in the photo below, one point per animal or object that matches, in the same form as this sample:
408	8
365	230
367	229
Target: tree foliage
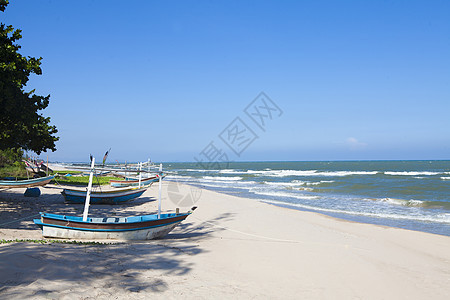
11	163
21	124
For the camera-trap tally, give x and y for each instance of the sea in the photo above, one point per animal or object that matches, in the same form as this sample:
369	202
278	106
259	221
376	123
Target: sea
413	195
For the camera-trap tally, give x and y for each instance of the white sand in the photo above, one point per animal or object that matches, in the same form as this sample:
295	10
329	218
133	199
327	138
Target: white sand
229	248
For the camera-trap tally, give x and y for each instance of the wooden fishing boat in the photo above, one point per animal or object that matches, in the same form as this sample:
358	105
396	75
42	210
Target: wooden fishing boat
122	228
104	197
145	227
25	183
133	182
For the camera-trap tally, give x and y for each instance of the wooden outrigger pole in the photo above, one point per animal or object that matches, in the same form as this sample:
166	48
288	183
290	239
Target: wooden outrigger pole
140	174
160	188
88	194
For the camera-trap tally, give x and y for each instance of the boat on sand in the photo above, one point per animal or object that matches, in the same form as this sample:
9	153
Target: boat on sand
125	228
41	181
103	197
120	228
133	182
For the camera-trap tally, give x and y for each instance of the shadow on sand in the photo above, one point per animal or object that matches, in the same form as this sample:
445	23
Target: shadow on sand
106	270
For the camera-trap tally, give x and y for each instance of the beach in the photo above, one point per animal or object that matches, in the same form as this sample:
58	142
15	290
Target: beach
229	247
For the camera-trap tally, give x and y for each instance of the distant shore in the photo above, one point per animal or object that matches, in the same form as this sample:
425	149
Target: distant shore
229	247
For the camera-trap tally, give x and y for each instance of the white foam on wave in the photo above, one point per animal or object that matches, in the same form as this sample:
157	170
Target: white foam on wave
294	183
221	178
297	184
412	202
231	171
306	189
226	184
440	218
445	178
285	173
411	173
282	194
347	173
319	182
197	170
172	177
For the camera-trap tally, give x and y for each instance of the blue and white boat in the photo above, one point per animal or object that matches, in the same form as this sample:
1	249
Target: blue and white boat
123	228
25	183
145	227
103	197
134	182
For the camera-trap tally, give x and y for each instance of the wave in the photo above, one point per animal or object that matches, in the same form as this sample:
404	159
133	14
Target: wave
305	173
283	194
219	178
175	177
413	203
294	183
231	171
297	184
285	173
411	173
319	182
198	170
440	218
246	185
445	178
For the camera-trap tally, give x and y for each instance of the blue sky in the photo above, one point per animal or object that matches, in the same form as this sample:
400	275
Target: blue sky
162	79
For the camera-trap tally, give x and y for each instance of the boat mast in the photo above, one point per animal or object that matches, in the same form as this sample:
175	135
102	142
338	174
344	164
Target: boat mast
140	174
88	194
160	188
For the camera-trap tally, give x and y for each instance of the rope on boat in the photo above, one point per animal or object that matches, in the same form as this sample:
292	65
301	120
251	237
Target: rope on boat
62	187
56	181
32	216
17	220
249	234
277	239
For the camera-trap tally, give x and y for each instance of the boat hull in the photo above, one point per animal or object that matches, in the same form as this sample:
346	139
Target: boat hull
126	183
118	197
25	183
131	228
138	234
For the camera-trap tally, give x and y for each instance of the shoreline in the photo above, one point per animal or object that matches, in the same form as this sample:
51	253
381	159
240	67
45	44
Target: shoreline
363	219
230	246
406	195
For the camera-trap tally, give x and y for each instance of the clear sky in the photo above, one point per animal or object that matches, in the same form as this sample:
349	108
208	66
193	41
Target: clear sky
163	79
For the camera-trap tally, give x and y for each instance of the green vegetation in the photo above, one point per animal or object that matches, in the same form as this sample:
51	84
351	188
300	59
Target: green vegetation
11	164
83	180
50	242
16	170
22	125
66	172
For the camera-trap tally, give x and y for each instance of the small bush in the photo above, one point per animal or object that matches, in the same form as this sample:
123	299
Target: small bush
10	156
11	164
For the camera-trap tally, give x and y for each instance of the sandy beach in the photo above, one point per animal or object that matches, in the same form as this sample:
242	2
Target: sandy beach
230	247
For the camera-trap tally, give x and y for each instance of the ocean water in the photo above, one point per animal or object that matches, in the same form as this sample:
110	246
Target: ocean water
414	195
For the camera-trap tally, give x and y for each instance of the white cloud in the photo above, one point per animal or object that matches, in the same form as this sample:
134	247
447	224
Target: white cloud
354	144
